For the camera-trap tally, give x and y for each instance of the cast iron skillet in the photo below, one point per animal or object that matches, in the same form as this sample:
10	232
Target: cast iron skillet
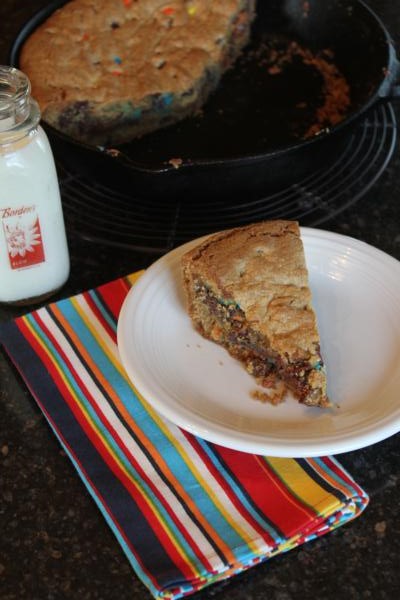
249	137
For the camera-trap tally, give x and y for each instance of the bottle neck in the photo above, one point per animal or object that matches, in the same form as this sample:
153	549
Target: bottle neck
19	112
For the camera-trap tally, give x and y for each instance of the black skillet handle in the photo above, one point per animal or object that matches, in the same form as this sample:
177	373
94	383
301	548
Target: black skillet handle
395	91
390	88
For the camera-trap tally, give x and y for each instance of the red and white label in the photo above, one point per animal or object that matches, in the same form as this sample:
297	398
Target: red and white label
23	237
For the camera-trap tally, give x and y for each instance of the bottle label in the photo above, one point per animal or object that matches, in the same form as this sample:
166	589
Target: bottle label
23	237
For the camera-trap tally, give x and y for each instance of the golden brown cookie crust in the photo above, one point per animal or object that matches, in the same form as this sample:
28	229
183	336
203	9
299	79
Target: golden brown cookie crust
261	269
115	54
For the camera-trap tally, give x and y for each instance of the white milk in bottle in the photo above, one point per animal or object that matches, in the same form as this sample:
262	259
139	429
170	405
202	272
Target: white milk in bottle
34	258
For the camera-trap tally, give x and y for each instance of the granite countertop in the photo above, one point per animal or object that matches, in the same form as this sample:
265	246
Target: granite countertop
55	544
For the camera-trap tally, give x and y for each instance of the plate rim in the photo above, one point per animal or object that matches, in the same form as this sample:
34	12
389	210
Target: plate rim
337	444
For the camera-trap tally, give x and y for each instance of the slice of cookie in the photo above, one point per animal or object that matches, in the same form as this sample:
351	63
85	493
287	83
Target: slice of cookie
107	72
247	289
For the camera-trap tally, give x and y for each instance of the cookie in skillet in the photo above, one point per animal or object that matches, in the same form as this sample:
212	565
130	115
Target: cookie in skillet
107	72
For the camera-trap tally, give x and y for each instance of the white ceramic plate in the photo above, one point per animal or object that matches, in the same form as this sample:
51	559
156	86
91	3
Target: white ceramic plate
195	383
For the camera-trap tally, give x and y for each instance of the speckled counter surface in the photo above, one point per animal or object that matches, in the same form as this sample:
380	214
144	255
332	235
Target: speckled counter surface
55	544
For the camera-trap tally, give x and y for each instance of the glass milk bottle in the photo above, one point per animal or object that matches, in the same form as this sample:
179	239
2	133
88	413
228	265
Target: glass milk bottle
34	259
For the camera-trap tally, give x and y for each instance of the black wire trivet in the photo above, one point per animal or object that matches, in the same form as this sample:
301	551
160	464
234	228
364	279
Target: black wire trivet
102	215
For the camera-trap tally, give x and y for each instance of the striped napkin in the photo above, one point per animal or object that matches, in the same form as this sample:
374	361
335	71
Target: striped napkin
186	512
